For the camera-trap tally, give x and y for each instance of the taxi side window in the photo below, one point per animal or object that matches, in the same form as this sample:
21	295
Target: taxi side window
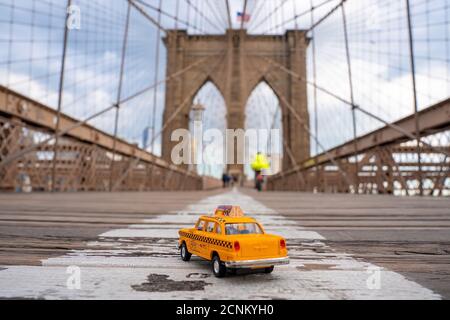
210	226
200	225
218	229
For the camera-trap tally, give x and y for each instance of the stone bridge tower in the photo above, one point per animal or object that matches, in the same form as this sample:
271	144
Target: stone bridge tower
236	63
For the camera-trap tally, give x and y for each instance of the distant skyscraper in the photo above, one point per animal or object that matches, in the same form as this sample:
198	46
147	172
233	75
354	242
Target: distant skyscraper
146	137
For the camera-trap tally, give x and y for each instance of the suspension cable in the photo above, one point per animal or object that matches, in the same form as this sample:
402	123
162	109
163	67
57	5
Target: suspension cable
297	16
203	16
230	24
256	15
357	107
80	123
216	15
155	97
305	127
119	94
270	14
244	12
326	16
164	127
165	13
147	16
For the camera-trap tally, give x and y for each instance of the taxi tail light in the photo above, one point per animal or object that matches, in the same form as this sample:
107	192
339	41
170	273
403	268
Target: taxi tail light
237	246
282	244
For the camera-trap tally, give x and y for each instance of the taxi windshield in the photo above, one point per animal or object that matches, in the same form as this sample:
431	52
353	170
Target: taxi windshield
242	228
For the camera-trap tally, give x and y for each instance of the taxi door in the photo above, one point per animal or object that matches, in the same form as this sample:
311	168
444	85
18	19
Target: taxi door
195	242
210	235
204	240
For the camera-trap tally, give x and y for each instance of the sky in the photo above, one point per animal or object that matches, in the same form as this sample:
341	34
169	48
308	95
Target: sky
31	36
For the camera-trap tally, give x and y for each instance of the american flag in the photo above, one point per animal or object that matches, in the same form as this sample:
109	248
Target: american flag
243	17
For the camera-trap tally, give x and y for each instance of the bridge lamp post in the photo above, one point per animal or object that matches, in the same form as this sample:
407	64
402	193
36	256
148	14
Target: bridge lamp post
198	110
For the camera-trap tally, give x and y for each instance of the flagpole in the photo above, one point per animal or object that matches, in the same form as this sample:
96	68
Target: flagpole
244	15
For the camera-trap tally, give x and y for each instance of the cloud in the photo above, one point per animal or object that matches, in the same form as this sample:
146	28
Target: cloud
382	81
389	98
37	90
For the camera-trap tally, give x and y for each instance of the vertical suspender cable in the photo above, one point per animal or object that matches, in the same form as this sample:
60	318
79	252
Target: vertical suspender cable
230	24
352	97
119	96
60	94
155	90
314	74
413	78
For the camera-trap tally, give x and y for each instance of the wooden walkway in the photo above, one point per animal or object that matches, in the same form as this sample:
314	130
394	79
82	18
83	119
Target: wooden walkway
410	236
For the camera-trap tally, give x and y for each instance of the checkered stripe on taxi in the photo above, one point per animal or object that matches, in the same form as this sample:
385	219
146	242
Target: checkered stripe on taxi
216	242
219	219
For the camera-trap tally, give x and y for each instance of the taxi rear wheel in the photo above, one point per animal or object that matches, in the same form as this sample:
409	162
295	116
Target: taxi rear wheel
269	269
218	267
185	254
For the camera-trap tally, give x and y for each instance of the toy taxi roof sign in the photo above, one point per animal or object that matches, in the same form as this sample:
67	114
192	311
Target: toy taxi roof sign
229	211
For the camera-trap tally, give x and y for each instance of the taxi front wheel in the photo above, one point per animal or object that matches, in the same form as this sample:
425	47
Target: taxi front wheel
218	267
185	254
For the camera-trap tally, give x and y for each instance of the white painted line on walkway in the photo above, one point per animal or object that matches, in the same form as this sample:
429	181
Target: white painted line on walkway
141	262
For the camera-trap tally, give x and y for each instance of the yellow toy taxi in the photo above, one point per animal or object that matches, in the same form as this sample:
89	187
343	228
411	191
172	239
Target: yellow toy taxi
231	240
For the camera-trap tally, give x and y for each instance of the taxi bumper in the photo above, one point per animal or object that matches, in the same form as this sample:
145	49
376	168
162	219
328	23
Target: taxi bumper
260	263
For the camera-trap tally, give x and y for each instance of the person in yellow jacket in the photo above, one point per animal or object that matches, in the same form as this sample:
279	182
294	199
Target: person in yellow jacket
258	165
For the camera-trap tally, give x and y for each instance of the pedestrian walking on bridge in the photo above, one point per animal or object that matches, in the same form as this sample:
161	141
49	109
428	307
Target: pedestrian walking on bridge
258	165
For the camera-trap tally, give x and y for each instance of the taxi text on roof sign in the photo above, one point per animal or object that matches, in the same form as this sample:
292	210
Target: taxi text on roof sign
231	241
229	211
